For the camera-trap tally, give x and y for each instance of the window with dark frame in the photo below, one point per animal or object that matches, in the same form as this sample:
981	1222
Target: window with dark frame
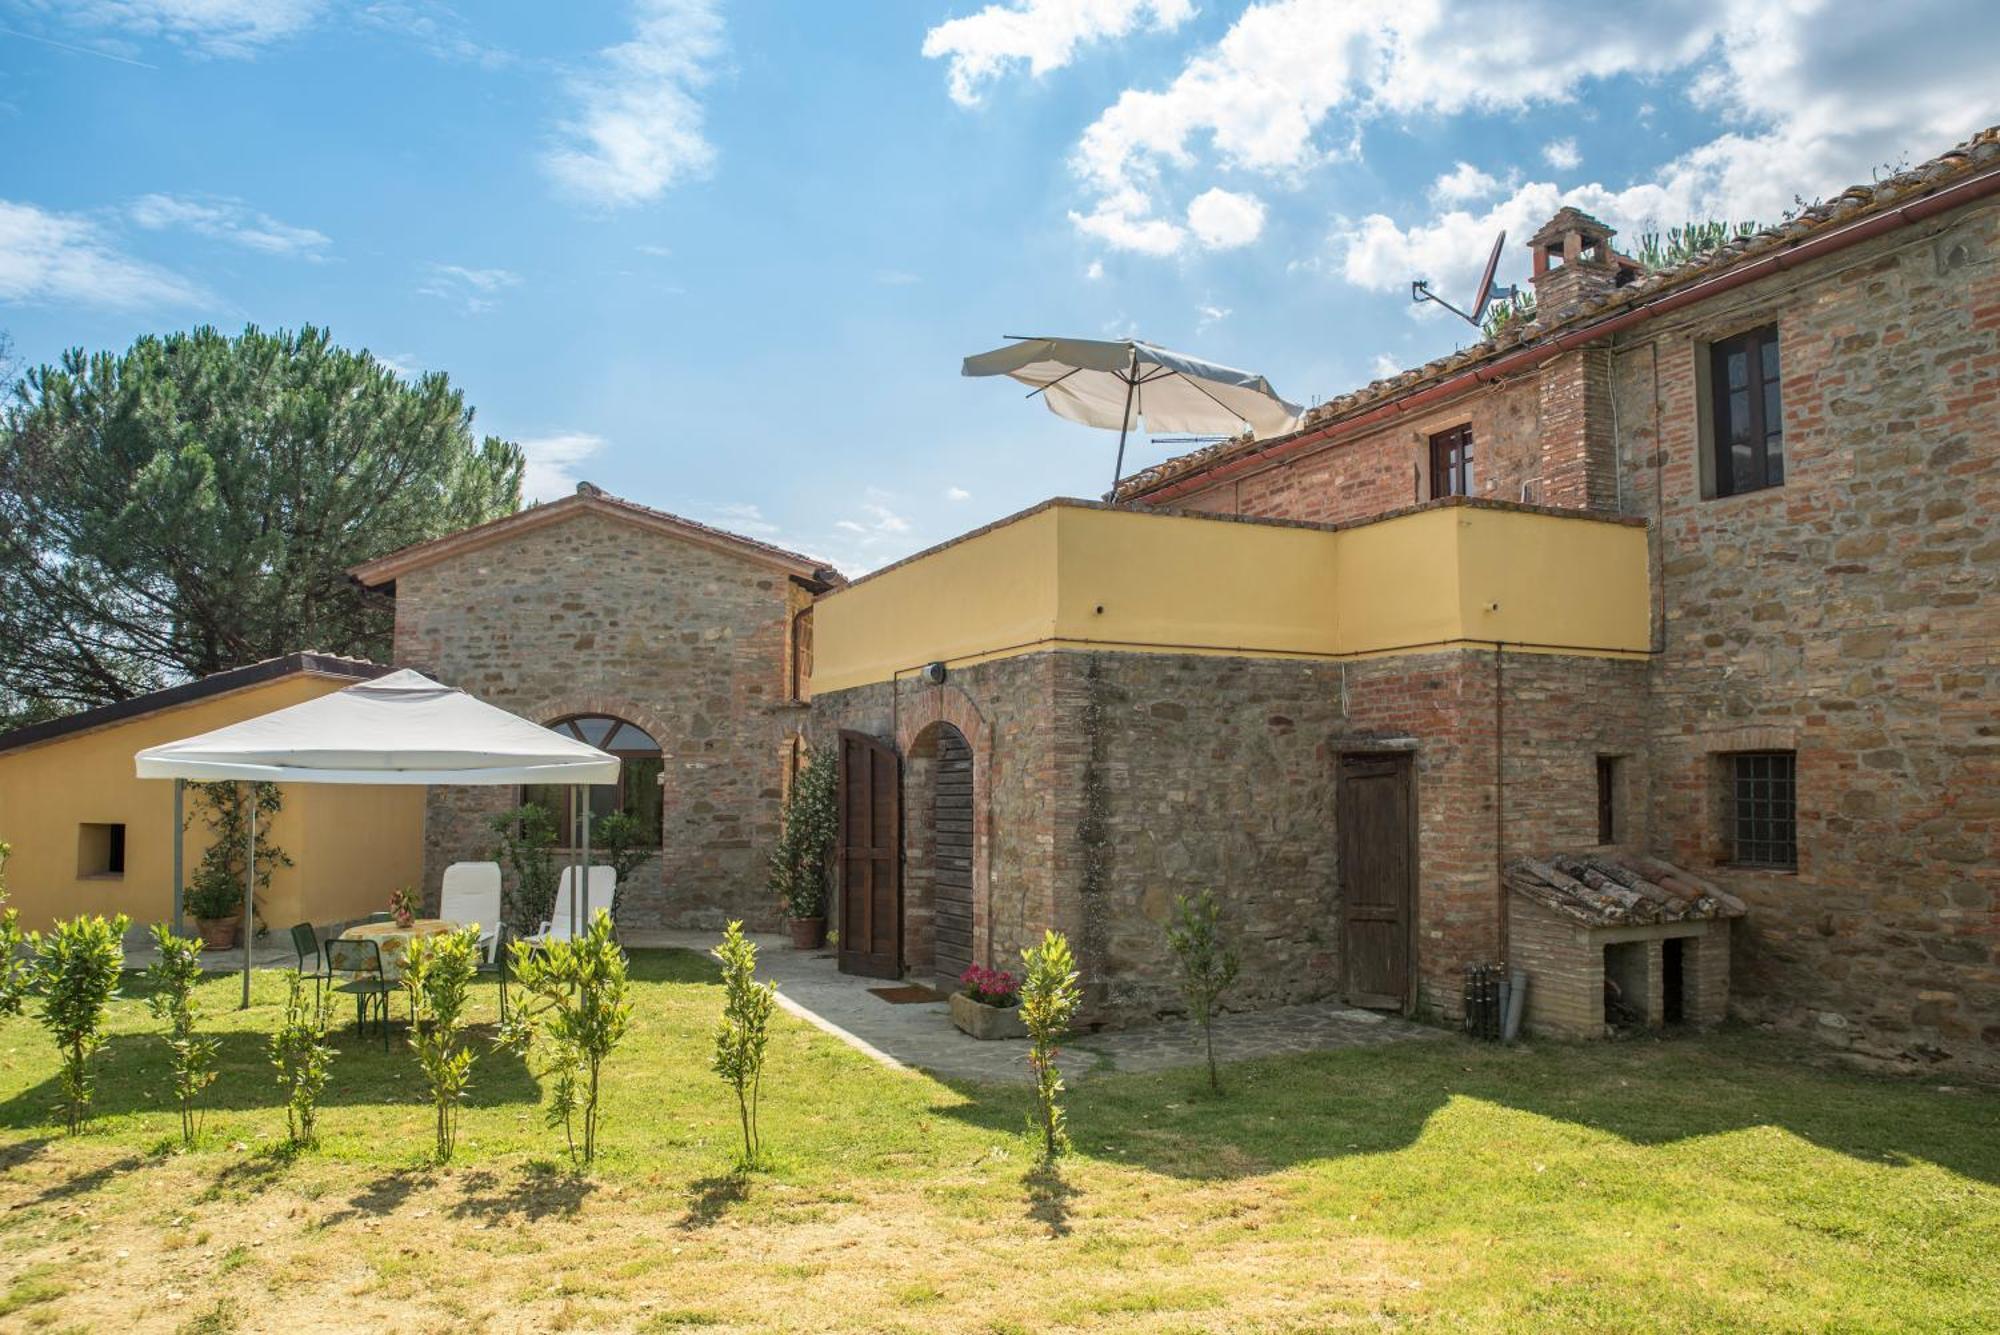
1607	799
1451	462
1749	414
636	794
1763	809
100	849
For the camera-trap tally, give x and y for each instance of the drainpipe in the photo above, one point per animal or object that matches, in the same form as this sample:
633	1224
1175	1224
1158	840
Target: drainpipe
1500	791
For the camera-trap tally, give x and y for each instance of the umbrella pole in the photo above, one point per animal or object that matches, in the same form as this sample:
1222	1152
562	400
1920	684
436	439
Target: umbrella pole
249	906
1124	425
180	840
586	859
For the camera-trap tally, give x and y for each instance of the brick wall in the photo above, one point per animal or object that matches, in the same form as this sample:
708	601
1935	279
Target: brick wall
1849	615
593	615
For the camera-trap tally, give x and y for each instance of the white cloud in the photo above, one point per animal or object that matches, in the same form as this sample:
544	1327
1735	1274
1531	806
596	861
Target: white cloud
553	463
1562	154
405	364
957	494
1094	270
434	28
1384	366
227	28
1819	91
475	289
1223	220
1463	184
638	125
231	221
1210	315
743	517
657	252
64	259
1044	35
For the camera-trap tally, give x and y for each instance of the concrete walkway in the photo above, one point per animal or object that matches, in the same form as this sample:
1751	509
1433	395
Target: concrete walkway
921	1035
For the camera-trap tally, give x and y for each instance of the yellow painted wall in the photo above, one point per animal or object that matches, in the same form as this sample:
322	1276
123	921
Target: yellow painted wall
341	840
1181	583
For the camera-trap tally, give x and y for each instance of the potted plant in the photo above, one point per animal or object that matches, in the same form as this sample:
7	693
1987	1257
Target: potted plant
403	906
215	902
801	864
989	1004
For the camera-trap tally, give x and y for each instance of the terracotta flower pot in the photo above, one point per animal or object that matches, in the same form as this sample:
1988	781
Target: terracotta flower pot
218	933
808	933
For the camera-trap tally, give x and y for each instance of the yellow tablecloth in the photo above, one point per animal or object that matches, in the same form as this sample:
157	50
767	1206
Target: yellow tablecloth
395	941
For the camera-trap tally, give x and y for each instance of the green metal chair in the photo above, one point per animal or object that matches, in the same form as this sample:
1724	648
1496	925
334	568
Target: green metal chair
305	942
362	961
500	964
384	916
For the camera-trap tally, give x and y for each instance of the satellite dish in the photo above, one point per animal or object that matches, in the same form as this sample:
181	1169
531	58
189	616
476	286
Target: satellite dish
1420	289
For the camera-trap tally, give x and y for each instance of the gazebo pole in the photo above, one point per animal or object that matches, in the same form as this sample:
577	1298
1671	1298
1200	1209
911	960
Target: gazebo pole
180	882
586	857
249	901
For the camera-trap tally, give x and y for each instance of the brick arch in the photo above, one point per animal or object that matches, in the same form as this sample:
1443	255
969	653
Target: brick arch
920	713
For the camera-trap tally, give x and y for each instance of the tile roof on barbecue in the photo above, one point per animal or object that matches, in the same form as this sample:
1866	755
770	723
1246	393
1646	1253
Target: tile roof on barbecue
1980	152
1618	890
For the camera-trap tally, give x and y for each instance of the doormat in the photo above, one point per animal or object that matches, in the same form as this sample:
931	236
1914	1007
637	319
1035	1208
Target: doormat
911	995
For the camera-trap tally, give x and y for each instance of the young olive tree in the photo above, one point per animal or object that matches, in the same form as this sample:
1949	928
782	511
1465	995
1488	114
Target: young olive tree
578	1009
76	974
742	1032
15	971
1207	963
438	973
527	846
301	1054
174	976
1050	995
802	861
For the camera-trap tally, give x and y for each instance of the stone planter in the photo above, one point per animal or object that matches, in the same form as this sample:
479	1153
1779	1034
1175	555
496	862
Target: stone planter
218	933
983	1021
807	933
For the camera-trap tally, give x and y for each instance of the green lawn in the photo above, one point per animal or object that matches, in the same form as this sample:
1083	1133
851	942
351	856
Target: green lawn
1725	1183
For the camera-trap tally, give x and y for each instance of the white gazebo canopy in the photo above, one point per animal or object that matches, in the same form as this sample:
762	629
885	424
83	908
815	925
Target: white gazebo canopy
402	728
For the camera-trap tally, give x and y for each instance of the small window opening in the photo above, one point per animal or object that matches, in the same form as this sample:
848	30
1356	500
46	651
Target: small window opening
1673	985
1607	799
1451	462
100	850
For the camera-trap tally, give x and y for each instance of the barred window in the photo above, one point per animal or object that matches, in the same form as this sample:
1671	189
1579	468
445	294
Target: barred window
1763	808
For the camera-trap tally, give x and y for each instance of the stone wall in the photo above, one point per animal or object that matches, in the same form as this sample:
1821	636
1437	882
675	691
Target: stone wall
595	615
1848	615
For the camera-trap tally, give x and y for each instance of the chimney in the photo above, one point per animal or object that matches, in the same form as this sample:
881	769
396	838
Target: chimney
1573	262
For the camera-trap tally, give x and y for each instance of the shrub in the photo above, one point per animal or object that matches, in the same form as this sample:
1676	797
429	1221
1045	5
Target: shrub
1050	995
225	809
527	846
174	976
741	1033
991	987
801	864
626	845
301	1053
76	974
580	1003
438	973
15	975
1207	964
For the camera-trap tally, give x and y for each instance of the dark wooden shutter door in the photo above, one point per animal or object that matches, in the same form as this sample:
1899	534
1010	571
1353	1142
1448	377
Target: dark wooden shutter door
1377	878
870	852
951	872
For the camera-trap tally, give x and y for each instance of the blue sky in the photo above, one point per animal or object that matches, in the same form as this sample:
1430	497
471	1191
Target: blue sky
723	258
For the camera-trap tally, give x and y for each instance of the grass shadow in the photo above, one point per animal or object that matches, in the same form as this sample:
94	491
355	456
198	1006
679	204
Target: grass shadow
1049	1197
379	1196
712	1198
1277	1112
82	1184
544	1190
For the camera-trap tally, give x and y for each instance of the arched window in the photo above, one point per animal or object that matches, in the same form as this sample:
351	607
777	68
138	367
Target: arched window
637	793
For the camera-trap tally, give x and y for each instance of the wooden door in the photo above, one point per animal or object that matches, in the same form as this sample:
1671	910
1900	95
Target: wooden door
870	854
951	862
1377	878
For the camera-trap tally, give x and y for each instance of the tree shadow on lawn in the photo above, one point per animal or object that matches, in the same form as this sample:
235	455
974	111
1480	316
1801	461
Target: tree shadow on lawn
1280	1112
134	1075
711	1198
545	1189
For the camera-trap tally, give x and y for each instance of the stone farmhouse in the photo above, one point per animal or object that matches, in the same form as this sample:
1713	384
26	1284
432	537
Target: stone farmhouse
1689	581
1649	645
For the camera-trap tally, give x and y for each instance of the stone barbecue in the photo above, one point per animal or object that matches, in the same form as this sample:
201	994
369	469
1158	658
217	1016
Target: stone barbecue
1617	940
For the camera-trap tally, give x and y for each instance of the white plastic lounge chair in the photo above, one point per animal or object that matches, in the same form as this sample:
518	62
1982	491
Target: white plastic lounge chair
602	894
471	893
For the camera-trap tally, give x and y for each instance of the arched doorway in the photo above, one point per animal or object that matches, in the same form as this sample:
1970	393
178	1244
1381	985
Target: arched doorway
937	905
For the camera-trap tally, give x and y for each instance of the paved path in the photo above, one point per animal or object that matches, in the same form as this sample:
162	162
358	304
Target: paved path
922	1036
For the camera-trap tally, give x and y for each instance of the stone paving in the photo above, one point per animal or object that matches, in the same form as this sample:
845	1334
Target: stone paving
921	1035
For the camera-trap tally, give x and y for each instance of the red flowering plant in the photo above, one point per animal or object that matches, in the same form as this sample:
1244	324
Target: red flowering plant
991	987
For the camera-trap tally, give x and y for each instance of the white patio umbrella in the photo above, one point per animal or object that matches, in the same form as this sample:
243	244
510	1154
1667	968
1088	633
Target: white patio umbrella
1119	382
402	728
